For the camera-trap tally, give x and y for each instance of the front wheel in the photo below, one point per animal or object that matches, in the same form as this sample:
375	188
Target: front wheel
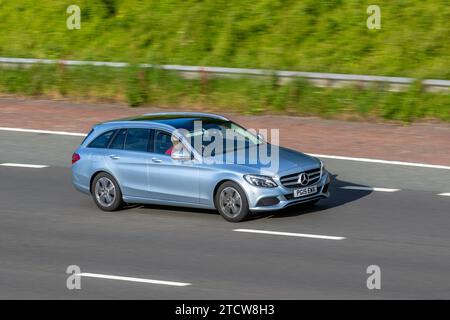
106	192
231	202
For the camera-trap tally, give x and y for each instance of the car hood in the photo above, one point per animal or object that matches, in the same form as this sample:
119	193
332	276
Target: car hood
287	160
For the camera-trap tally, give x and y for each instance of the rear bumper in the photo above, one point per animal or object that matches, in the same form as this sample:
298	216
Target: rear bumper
81	187
284	196
79	181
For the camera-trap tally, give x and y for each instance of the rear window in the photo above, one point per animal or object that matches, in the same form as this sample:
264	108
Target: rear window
87	136
137	139
102	140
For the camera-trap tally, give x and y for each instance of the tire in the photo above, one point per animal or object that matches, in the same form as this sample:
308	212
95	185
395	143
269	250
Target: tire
106	192
231	202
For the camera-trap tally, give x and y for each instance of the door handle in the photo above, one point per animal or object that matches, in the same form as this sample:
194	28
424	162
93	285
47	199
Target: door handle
156	160
114	157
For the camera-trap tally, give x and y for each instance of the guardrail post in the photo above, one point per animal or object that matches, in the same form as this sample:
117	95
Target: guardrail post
203	81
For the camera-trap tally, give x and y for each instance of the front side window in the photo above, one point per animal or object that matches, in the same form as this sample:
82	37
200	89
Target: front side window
162	143
102	141
137	139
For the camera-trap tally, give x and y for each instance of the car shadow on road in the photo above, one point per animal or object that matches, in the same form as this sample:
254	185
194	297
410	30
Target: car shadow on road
151	208
338	197
169	209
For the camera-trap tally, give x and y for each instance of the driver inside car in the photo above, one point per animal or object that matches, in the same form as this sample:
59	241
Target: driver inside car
177	146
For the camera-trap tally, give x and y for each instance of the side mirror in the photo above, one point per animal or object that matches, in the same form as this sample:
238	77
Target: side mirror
181	155
260	137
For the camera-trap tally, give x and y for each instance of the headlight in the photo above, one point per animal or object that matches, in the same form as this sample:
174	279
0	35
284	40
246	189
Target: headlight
260	181
322	168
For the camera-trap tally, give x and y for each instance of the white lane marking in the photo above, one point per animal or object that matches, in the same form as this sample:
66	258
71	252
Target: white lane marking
290	234
445	194
24	165
63	133
370	189
400	163
106	276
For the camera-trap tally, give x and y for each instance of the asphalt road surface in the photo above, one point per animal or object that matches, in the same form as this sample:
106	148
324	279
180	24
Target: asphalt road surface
46	225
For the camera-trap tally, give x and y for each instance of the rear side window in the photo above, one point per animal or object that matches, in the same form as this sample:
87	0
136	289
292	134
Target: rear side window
119	140
102	140
137	139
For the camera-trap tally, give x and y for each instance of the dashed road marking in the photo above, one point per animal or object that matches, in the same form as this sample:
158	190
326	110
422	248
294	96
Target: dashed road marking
63	133
24	165
400	163
291	234
370	189
132	279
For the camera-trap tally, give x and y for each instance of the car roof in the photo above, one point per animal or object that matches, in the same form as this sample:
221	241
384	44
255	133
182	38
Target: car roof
171	119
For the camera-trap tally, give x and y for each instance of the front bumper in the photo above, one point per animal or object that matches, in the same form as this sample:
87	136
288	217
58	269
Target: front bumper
284	196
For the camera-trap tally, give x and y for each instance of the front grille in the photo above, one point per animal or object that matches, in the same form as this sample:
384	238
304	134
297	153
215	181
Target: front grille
291	180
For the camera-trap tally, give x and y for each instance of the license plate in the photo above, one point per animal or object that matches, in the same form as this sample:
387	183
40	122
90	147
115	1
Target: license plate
304	191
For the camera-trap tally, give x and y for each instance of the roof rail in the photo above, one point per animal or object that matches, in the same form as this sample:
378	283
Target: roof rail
199	114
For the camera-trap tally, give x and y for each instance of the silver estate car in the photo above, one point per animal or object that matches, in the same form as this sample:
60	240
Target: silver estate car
166	159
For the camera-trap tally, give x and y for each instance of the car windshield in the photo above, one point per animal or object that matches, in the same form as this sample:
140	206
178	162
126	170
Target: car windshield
216	136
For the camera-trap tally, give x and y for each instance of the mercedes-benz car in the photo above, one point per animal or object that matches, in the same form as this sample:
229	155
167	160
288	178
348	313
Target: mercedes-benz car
167	159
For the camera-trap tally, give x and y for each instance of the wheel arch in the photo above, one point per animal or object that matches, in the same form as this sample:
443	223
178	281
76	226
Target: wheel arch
96	173
222	181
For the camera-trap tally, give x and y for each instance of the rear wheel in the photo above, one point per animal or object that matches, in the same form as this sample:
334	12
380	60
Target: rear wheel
106	192
231	202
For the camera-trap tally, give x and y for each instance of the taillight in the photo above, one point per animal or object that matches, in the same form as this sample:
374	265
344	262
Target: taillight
75	157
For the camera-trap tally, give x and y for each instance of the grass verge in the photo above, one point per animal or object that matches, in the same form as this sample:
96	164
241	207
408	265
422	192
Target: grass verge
244	95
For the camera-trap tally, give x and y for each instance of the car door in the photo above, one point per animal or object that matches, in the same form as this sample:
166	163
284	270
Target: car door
128	161
169	179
